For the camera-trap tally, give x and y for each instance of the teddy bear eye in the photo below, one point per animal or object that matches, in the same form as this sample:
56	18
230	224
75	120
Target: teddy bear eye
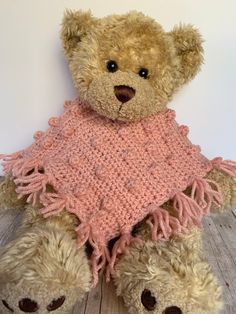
112	66
143	73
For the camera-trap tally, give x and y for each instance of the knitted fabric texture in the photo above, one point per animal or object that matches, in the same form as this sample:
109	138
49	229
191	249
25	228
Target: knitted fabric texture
113	174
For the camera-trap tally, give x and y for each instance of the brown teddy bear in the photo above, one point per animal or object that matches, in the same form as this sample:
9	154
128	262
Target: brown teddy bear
126	69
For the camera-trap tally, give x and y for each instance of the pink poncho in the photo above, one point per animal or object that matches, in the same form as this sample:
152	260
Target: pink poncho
113	174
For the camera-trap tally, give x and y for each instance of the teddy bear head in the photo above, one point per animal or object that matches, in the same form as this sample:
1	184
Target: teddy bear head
126	67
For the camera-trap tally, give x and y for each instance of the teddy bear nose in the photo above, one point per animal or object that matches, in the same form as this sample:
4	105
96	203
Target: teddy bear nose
124	93
172	310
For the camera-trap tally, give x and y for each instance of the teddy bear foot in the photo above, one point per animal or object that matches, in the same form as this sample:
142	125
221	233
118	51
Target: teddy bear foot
27	296
42	271
167	278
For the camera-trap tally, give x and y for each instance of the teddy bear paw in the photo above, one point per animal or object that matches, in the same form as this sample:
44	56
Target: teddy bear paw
34	297
166	279
42	271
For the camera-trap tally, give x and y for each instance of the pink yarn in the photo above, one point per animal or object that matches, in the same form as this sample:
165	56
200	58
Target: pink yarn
113	174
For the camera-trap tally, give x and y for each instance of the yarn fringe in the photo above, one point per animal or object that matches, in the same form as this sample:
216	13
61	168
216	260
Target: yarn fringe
31	185
55	203
163	225
121	247
189	210
228	166
205	193
28	178
100	255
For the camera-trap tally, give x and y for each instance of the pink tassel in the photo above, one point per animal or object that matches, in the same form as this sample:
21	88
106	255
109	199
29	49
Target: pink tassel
34	182
228	166
100	255
55	203
120	247
83	232
31	184
189	212
11	164
205	192
99	258
13	156
163	225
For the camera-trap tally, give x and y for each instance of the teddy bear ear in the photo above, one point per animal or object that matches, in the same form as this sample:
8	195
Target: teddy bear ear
75	25
188	45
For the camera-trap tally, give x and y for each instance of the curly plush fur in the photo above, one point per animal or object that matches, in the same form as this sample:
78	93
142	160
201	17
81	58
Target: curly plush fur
41	269
174	273
42	263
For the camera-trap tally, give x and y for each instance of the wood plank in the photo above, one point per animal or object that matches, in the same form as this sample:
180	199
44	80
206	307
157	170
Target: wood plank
226	227
93	305
209	251
110	302
220	258
80	307
9	222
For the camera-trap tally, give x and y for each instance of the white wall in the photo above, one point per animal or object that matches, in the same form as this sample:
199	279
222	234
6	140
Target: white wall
34	79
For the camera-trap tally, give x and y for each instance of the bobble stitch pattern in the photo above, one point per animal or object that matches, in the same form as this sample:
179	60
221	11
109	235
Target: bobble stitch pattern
38	135
93	142
170	115
47	143
67	104
54	121
75	161
108	173
80	190
184	130
131	185
68	131
100	172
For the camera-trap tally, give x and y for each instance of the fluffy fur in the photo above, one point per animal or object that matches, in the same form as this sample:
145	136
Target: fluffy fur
172	59
175	274
42	264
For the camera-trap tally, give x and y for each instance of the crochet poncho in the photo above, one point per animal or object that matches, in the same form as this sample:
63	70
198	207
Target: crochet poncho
113	174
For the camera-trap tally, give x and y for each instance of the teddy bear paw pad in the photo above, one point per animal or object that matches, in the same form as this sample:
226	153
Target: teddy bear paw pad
172	310
28	305
148	300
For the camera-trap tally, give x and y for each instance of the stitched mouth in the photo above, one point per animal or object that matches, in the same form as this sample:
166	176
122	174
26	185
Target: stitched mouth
120	107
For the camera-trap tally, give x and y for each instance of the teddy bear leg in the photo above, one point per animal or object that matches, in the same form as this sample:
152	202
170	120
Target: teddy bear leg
42	270
168	278
8	196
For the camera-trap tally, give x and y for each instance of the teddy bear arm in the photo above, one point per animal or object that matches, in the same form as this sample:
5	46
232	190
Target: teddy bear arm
228	187
8	196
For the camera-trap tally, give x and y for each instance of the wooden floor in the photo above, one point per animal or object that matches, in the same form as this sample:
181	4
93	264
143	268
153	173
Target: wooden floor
220	249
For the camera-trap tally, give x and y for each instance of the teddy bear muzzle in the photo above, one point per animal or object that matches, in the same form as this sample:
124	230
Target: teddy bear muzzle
124	93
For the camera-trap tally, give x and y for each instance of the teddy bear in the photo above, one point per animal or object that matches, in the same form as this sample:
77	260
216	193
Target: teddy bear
115	184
